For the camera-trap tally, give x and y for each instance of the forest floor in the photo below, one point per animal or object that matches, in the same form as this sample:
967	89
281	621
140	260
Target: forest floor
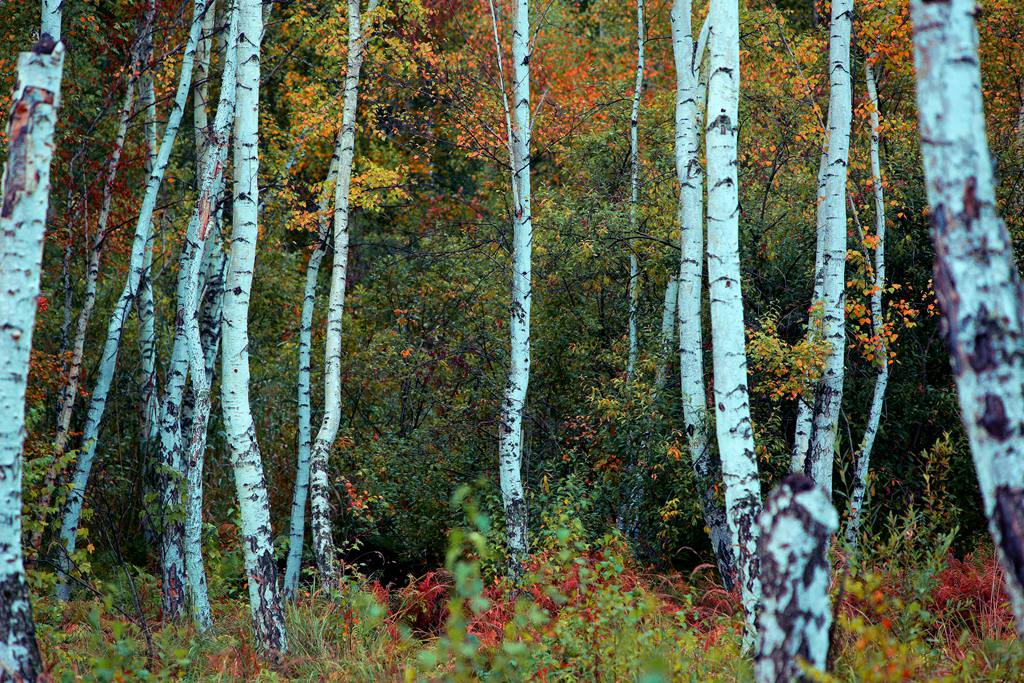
586	613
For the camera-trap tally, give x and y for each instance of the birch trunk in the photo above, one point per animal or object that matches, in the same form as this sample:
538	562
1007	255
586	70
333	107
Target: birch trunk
319	482
250	484
108	359
732	404
795	620
831	220
669	310
634	285
976	280
24	198
50	19
860	484
707	469
297	529
510	428
204	220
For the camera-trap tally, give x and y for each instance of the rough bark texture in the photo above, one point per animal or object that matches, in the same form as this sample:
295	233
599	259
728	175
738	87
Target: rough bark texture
250	484
24	199
137	268
860	484
707	468
732	401
510	428
831	221
976	280
795	618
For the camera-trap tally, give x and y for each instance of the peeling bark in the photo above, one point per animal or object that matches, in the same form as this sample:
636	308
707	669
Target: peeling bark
976	280
25	189
796	615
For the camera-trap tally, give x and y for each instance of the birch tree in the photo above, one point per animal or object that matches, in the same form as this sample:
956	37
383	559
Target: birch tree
202	225
688	55
669	310
297	527
831	224
111	347
976	280
634	186
513	405
319	483
24	199
729	356
250	484
860	483
794	624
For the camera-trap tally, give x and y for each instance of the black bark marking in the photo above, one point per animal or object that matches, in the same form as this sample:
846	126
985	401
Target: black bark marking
994	419
1008	516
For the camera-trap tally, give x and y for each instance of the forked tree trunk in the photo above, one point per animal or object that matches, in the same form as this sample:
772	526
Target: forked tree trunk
297	528
24	198
860	483
976	280
732	400
319	483
706	465
250	484
793	626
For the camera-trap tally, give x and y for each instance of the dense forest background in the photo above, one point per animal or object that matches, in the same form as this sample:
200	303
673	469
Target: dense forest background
425	333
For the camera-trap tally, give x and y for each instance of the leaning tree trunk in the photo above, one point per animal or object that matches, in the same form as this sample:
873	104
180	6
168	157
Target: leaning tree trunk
732	402
706	465
319	483
831	214
634	187
510	428
203	224
250	484
69	391
297	528
881	360
111	348
794	624
976	280
24	198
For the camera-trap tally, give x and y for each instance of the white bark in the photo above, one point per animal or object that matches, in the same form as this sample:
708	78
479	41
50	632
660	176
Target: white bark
50	19
510	429
860	484
250	484
24	198
319	483
634	186
831	222
108	359
669	311
706	465
297	528
732	403
976	280
796	615
204	219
